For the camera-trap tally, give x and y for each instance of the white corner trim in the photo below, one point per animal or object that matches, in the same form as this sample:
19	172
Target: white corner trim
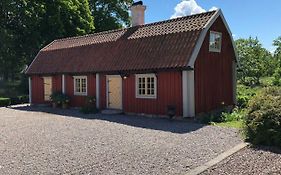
97	90
63	84
188	93
234	81
203	36
30	90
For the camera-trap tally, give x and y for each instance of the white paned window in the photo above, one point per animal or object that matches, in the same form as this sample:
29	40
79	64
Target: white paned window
215	41
146	85
80	85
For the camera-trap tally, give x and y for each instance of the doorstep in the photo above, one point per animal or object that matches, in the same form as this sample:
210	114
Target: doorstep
112	111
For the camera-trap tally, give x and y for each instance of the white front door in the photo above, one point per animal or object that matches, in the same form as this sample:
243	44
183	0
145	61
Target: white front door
114	92
47	88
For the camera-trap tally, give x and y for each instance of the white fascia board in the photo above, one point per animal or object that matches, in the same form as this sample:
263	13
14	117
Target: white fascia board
203	35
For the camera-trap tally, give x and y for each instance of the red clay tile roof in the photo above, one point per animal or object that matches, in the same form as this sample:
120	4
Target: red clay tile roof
162	45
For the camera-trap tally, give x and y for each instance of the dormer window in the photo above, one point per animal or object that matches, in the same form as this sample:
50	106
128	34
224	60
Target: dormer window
215	41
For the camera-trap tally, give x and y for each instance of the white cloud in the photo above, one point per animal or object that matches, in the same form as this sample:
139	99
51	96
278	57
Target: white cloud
188	7
213	8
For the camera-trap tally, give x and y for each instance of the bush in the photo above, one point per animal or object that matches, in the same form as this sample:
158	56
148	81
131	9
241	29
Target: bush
19	100
244	94
5	102
263	121
90	105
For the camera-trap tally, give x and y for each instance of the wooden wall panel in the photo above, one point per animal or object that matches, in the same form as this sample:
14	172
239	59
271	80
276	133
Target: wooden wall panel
213	73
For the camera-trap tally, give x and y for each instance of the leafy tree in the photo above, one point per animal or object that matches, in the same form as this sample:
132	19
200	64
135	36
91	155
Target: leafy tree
28	25
110	14
277	56
255	61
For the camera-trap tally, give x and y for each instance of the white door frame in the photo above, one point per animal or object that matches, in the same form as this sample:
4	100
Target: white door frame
51	86
107	89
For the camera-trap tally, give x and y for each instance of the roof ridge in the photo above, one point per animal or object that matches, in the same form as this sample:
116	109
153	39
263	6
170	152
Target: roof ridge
144	25
177	19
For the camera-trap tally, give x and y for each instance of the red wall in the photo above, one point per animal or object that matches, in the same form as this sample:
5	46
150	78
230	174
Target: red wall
78	101
37	85
213	73
169	92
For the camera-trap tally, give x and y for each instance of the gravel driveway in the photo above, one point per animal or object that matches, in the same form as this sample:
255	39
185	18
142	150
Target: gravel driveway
67	142
259	161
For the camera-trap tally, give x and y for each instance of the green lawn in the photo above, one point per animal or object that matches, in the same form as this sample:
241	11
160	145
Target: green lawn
232	124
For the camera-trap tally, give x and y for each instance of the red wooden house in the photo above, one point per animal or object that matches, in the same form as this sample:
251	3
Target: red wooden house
189	63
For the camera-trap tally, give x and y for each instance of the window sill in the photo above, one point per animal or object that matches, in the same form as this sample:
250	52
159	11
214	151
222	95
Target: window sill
78	94
146	97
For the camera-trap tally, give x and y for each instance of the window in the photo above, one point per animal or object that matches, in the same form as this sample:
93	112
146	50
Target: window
146	85
80	85
215	42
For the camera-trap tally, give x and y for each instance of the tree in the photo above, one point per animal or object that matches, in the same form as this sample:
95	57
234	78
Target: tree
255	61
110	14
28	25
277	56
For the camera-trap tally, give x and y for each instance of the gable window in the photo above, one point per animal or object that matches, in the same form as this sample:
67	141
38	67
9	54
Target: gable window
146	86
80	85
215	41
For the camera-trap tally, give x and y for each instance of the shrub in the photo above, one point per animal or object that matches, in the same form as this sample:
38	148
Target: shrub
19	100
5	102
90	105
263	120
244	94
236	115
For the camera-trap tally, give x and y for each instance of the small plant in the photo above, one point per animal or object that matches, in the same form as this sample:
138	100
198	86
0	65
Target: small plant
56	99
263	121
90	105
65	100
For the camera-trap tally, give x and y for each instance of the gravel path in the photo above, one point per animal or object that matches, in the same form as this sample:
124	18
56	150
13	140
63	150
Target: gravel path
249	161
67	142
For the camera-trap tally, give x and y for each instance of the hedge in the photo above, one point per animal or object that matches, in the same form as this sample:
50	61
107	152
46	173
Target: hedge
5	102
14	100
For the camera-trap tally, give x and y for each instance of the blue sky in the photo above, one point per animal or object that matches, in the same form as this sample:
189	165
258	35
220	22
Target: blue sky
261	18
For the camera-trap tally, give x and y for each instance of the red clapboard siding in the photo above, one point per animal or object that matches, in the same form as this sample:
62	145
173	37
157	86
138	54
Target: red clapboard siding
78	101
169	92
213	73
57	83
37	85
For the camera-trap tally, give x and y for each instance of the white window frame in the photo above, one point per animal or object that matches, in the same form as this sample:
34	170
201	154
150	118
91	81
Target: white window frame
74	85
211	49
137	76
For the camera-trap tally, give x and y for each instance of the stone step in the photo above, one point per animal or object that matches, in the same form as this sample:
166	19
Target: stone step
111	111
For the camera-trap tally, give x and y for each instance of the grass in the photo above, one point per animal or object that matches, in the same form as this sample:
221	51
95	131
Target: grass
233	124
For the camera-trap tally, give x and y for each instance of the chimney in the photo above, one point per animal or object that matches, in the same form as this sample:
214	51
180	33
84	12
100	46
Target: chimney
137	11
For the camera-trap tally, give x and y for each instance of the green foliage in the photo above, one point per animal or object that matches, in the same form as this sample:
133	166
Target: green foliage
244	94
263	121
5	102
20	100
110	15
60	98
90	105
255	61
26	26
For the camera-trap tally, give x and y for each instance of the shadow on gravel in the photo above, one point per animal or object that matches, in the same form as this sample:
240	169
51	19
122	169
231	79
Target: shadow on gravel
161	124
272	149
